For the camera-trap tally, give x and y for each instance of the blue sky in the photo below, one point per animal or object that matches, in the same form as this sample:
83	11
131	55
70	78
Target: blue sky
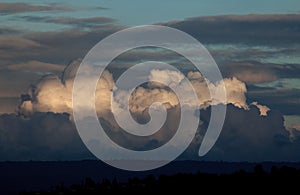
141	12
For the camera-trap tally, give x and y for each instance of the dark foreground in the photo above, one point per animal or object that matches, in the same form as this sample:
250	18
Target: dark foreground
278	179
94	177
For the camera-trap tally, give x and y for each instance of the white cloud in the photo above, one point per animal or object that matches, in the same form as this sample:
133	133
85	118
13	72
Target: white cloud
262	109
168	77
54	94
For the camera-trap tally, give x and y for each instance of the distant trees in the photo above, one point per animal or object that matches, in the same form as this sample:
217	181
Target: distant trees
274	179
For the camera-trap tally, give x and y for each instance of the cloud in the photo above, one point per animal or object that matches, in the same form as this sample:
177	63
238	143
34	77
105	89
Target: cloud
11	8
43	136
248	128
251	72
235	90
15	48
16	42
285	100
69	20
275	85
258	74
168	77
14	83
36	66
262	109
92	22
247	29
53	94
8	31
254	76
56	47
250	133
62	46
247	136
9	105
294	131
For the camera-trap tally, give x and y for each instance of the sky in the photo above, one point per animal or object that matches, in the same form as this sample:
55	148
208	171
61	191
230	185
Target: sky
135	12
256	45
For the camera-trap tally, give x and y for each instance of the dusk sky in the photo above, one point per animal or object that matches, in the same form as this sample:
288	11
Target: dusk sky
256	45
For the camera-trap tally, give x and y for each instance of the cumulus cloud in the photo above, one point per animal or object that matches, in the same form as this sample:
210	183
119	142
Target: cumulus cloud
235	90
251	132
168	77
262	109
54	93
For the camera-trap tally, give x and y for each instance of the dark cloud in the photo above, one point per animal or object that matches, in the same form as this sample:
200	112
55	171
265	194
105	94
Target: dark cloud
83	21
285	100
11	8
57	47
253	72
8	31
14	83
77	22
15	49
9	105
271	76
10	42
36	66
247	29
43	136
63	46
247	136
250	72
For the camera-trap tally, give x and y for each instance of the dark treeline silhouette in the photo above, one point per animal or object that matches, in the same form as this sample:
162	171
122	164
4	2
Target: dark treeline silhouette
283	178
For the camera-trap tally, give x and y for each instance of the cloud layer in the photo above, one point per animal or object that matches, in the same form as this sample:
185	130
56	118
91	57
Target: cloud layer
249	29
251	132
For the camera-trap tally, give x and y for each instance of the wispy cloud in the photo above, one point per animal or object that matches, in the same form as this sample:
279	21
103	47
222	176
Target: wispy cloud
36	66
77	22
12	8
